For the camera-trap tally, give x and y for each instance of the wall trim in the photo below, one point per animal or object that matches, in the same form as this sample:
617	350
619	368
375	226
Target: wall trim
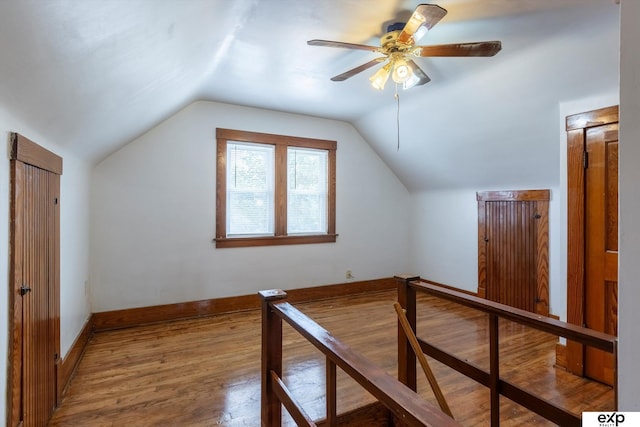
125	318
73	356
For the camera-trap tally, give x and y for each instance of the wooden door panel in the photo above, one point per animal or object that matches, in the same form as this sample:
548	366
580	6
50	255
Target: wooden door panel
513	248
39	346
510	254
592	228
34	287
601	250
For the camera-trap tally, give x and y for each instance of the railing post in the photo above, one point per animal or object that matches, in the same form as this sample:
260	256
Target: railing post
331	395
494	369
271	408
406	356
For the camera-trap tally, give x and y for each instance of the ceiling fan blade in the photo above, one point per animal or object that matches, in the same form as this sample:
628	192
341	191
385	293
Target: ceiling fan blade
330	43
459	49
359	69
424	17
420	76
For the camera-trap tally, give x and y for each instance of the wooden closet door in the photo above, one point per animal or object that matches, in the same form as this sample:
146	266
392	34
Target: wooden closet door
34	284
592	236
601	252
513	248
39	304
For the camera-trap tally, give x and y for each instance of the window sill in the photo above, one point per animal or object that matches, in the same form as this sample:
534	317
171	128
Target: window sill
243	242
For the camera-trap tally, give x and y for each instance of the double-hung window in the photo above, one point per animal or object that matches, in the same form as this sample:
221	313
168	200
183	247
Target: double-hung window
274	189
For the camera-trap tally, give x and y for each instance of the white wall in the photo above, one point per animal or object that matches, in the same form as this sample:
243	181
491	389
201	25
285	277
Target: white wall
153	219
444	244
74	241
629	268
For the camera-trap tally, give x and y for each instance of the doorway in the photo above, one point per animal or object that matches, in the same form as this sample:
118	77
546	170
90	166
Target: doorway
513	248
34	284
592	252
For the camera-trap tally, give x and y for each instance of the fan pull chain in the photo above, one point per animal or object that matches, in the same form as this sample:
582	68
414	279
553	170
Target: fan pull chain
397	97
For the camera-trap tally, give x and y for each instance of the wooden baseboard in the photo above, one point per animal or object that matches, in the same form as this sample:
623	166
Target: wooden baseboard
187	310
561	356
451	288
71	360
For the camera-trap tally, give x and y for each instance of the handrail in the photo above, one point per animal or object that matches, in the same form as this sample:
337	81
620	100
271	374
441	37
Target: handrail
407	288
405	404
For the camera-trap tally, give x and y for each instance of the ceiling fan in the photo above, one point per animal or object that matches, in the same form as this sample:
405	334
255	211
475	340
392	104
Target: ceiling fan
398	46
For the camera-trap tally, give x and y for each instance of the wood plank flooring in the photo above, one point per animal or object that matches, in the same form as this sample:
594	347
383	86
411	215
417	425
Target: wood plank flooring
206	372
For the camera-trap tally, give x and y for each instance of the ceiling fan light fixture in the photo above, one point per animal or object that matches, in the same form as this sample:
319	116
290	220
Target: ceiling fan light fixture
401	71
379	79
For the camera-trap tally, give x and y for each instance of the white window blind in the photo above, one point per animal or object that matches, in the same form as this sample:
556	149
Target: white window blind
307	190
250	189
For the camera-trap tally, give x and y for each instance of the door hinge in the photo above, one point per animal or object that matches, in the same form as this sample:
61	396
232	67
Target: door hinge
24	289
585	159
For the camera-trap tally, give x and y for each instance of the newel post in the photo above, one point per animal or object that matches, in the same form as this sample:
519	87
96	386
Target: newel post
271	408
406	356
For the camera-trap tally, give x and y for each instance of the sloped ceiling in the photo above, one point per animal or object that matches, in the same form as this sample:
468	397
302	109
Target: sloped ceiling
94	74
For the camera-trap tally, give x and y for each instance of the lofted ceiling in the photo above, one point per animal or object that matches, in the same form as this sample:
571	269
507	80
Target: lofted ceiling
95	74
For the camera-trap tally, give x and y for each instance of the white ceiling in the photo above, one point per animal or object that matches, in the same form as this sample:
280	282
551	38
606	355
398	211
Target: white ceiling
94	74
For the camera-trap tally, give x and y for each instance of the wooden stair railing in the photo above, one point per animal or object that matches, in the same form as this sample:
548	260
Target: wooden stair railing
406	406
409	285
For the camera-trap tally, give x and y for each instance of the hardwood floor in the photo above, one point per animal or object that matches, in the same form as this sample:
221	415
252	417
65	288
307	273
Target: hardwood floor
206	372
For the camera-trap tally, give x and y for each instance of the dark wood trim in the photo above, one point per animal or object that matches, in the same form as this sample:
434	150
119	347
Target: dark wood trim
576	126
268	138
161	313
451	288
513	195
482	249
243	242
593	118
27	151
16	250
71	360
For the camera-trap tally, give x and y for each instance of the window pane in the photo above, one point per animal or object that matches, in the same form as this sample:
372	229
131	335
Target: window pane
250	189
307	189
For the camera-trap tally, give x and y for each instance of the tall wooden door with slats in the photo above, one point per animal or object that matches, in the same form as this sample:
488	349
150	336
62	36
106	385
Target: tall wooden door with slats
592	253
35	275
513	248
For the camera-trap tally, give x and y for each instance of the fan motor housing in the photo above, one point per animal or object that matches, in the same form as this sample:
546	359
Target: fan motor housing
389	39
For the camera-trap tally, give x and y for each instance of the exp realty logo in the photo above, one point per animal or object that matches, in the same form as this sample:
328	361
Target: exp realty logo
610	419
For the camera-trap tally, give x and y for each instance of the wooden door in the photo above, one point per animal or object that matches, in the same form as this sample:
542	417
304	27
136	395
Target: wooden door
593	236
601	278
34	285
513	248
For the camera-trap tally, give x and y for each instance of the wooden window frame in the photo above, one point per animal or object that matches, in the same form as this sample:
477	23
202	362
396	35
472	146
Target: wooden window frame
281	143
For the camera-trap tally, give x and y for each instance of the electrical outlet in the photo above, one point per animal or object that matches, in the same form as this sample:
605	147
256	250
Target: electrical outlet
349	275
